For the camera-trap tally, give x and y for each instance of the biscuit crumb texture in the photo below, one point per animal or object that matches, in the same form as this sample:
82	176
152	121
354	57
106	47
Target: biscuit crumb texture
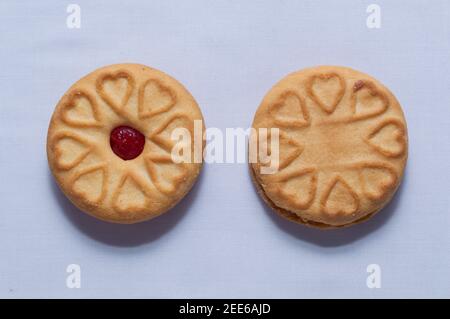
80	157
343	146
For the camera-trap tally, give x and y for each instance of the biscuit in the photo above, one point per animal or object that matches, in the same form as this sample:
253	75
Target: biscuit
109	143
343	146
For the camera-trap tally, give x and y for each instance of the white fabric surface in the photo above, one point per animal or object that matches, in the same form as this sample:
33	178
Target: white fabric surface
221	241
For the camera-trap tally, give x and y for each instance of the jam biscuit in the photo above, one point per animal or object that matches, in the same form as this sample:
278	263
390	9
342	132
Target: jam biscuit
342	146
109	143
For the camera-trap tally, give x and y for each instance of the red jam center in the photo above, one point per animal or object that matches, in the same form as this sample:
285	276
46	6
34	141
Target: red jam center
126	142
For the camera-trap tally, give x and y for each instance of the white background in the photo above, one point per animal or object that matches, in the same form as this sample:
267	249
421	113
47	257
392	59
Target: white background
222	241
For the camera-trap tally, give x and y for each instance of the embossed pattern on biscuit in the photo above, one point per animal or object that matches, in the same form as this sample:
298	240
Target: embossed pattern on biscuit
343	145
155	98
80	109
80	155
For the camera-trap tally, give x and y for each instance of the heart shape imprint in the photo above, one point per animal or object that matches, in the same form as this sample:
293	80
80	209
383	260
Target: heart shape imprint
90	183
339	198
289	111
377	179
81	110
70	150
388	138
115	89
288	150
298	188
131	195
162	134
367	100
165	174
155	98
326	90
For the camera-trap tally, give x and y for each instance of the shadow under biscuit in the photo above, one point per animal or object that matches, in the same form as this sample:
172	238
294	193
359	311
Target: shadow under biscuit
337	236
125	235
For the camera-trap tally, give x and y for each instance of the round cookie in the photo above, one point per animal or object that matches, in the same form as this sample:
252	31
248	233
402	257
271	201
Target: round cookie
342	142
109	143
